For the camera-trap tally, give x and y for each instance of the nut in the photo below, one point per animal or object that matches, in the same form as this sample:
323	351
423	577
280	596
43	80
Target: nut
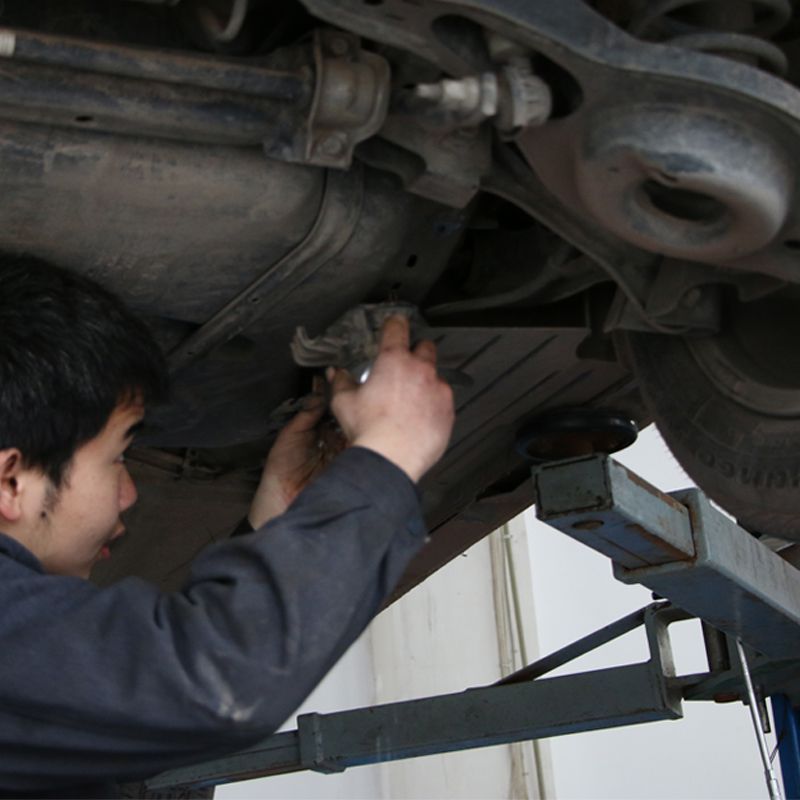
339	46
332	145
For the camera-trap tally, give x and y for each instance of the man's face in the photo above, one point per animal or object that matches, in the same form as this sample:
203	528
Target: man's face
76	525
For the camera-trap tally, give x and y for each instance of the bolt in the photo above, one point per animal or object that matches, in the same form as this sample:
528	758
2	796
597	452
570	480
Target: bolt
526	100
472	99
332	145
339	46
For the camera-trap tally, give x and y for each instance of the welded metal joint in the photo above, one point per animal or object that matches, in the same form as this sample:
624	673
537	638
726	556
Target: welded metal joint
312	745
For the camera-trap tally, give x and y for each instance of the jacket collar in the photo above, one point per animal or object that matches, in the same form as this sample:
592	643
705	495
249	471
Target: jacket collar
12	549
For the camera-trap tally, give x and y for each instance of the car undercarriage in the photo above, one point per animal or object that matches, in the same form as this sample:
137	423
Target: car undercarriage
593	205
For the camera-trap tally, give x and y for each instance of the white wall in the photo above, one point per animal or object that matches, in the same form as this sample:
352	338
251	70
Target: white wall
348	685
440	638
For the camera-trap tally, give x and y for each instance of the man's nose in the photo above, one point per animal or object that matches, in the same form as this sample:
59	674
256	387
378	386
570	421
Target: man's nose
127	492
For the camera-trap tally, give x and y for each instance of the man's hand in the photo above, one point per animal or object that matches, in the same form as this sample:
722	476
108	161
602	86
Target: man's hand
303	448
404	411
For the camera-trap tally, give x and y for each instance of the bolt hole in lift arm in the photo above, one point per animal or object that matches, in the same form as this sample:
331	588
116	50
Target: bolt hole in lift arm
676	544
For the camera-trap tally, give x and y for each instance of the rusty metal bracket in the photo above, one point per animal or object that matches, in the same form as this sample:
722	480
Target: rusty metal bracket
350	103
444	166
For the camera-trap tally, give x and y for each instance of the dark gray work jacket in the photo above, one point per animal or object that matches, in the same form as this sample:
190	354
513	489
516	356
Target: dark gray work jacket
118	684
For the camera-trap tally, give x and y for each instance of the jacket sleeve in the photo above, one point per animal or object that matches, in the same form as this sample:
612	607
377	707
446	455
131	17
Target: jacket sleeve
124	682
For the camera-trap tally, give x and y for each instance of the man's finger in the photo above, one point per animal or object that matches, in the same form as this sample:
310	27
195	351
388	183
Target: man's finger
313	406
316	397
426	350
332	442
340	380
308	416
395	333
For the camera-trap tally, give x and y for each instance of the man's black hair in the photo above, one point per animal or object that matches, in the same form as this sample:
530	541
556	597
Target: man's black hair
70	352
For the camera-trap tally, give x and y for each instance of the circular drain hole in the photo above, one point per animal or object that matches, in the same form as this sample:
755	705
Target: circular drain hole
684	204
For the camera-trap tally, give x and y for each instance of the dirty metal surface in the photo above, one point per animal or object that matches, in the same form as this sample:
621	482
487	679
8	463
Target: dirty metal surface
600	503
517	374
730	125
179	230
735	582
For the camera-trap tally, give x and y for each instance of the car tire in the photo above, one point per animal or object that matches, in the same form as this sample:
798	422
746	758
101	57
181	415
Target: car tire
729	409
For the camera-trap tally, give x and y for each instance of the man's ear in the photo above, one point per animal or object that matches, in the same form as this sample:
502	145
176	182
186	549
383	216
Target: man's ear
11	468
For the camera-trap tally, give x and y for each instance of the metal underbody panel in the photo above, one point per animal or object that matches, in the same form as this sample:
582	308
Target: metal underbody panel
226	252
733	140
514	372
179	229
233	195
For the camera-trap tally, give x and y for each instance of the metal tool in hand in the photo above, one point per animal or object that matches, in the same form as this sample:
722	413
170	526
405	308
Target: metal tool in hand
353	341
